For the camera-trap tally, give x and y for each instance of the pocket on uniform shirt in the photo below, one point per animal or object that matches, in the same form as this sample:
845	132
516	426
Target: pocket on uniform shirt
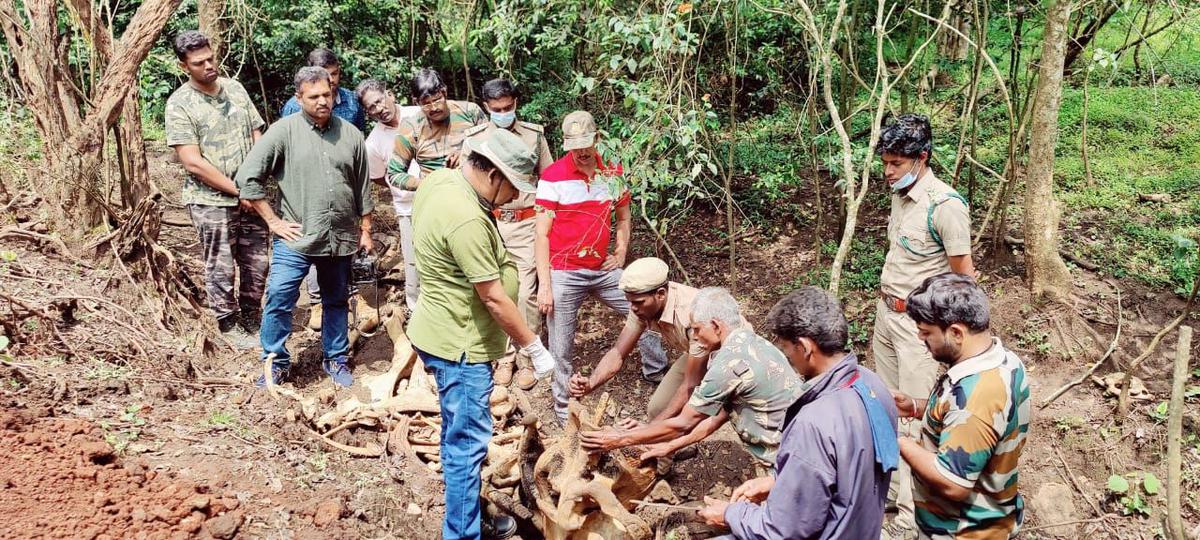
917	242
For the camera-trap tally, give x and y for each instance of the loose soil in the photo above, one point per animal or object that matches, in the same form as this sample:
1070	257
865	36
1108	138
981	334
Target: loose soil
94	441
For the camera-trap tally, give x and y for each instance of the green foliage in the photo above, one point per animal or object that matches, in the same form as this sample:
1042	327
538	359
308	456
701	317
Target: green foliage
1159	412
1128	494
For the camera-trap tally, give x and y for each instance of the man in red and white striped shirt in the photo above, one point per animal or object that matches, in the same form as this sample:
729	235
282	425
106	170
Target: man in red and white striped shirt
576	200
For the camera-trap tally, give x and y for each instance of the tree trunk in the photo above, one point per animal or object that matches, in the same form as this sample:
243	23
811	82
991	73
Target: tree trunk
135	169
952	46
211	15
1045	270
73	139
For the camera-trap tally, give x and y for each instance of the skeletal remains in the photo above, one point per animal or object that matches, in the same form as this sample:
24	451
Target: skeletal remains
566	492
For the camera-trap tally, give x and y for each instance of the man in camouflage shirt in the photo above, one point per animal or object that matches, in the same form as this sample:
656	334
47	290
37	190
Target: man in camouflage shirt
974	423
211	123
748	382
432	139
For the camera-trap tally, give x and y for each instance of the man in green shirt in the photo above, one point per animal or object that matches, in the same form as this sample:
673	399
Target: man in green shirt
211	123
468	311
320	163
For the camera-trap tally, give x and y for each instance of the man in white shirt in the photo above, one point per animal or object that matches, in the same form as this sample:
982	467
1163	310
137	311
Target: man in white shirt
380	105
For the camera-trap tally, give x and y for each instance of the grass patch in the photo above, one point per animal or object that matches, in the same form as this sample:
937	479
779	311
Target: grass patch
1140	141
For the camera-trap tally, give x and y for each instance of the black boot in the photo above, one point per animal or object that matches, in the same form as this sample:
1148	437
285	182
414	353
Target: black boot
498	527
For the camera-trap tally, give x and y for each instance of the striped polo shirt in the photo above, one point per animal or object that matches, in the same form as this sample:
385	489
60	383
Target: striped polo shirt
582	211
976	422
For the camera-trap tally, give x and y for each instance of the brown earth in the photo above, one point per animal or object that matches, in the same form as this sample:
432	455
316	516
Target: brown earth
61	479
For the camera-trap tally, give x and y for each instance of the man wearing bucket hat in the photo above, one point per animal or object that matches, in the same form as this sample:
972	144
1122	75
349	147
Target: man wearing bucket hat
468	311
515	220
576	199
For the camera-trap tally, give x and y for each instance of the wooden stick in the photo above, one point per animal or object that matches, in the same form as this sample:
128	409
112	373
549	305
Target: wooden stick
1065	523
1175	530
664	505
1075	483
1123	401
1111	347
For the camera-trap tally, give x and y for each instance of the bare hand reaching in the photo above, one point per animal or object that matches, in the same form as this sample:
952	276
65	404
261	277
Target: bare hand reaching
754	491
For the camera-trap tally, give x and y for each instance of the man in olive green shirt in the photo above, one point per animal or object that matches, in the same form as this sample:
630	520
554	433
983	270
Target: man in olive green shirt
320	163
212	124
468	312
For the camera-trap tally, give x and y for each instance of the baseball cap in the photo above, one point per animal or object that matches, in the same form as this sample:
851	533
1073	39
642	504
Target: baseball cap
579	130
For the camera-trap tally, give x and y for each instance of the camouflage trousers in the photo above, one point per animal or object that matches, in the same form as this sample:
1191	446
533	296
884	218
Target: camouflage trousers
235	246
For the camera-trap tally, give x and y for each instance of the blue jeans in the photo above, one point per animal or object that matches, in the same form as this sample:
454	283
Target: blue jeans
463	392
288	269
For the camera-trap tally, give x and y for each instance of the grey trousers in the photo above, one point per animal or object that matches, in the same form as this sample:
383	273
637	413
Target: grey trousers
412	283
570	288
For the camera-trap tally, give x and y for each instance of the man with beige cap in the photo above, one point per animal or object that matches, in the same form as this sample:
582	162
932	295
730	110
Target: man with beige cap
663	307
468	311
576	199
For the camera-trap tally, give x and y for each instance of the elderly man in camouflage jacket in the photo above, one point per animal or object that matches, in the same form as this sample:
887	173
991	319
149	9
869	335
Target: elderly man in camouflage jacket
748	382
212	124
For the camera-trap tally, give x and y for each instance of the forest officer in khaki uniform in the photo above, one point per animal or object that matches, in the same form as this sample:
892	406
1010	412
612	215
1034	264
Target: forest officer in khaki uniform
929	233
515	219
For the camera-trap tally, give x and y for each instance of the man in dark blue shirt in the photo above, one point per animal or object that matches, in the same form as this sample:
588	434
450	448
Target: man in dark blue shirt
839	441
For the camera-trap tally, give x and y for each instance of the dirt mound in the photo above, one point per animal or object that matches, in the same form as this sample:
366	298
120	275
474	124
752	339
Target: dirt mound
60	479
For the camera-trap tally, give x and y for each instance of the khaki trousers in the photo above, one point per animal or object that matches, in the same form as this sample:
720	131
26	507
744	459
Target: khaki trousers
518	240
904	364
667	387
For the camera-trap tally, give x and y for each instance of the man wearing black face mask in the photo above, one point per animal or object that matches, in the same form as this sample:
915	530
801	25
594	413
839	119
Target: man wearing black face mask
929	233
515	219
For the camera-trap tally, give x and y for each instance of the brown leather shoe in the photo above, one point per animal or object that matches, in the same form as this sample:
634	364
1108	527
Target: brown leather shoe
314	317
503	374
526	378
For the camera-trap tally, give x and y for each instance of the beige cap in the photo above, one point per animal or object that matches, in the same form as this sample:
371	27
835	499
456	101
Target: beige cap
644	275
509	154
579	131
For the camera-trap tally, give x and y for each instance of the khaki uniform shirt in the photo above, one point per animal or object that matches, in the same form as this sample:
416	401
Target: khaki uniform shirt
750	378
221	125
913	254
430	144
533	137
674	322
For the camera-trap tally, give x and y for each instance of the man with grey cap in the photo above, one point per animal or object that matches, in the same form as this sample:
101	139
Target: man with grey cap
663	307
576	199
468	311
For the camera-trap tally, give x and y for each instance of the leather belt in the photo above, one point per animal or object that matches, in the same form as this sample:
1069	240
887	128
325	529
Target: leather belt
518	214
893	303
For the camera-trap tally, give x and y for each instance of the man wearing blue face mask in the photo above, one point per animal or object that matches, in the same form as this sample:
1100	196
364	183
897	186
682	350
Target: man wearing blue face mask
929	233
515	219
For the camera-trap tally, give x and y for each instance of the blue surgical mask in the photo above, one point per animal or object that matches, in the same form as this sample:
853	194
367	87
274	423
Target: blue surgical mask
503	119
906	180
